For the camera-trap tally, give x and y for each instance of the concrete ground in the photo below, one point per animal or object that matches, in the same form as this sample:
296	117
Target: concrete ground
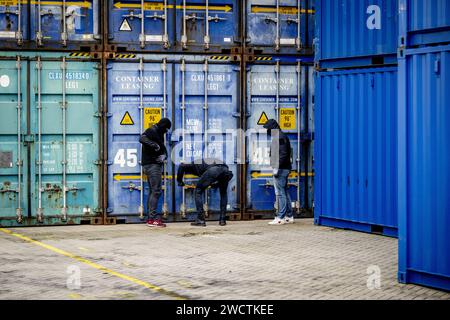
244	260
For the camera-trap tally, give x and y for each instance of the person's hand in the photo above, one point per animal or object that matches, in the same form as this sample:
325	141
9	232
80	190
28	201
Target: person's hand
275	172
181	184
161	158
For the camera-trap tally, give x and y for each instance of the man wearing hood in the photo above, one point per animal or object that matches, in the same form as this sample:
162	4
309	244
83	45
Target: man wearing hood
280	161
154	153
213	173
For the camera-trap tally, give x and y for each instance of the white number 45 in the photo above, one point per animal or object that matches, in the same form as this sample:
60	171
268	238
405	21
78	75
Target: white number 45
131	159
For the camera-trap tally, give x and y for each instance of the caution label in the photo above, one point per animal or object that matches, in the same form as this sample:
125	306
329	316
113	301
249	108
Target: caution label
288	119
125	26
263	119
127	120
151	116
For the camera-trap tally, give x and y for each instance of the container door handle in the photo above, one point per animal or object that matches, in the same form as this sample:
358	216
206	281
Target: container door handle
19	163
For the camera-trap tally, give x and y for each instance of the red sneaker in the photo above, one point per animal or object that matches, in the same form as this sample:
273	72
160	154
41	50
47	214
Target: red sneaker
157	223
150	222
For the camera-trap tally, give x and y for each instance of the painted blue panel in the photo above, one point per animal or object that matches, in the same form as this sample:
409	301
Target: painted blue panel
261	97
424	246
82	24
261	24
427	21
125	28
124	149
348	28
355	154
13	25
223	105
223	24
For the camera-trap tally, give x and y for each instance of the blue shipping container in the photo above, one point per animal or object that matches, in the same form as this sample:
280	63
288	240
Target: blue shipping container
54	179
141	93
174	25
355	29
13	24
424	22
355	149
278	90
424	167
279	26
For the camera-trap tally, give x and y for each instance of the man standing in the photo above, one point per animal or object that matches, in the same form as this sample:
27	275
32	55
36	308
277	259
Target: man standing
212	173
280	161
154	153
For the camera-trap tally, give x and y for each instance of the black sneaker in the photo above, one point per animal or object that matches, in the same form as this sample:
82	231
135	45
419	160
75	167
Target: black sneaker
198	223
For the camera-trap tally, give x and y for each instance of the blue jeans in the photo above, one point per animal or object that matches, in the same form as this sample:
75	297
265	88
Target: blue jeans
283	199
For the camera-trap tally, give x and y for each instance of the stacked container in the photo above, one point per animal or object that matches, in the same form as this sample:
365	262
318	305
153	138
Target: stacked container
356	115
423	140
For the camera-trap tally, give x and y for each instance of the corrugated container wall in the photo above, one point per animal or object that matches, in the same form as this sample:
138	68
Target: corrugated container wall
424	22
424	167
288	30
355	149
49	150
174	26
279	90
201	95
44	25
363	31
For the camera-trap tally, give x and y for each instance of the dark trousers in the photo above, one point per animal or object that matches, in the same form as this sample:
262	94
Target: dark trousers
208	178
153	173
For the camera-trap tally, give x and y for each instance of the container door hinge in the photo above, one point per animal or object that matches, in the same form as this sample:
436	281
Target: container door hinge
98	210
98	66
108	114
98	114
237	68
109	210
437	66
98	162
108	162
29	138
236	115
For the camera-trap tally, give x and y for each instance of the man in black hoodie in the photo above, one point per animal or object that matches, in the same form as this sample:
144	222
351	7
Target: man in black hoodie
280	161
212	173
154	153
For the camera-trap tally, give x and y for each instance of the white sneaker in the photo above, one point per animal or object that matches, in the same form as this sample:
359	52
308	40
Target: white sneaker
277	221
289	220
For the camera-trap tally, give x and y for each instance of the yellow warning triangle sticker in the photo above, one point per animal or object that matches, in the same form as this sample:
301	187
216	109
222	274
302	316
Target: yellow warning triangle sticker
263	119
127	120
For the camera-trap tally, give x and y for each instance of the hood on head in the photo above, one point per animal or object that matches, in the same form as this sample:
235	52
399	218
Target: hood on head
271	125
164	124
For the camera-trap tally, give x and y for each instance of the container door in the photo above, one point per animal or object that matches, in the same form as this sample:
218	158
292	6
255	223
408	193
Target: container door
65	22
274	92
207	106
207	23
425	245
13	130
140	24
13	19
138	97
276	23
65	154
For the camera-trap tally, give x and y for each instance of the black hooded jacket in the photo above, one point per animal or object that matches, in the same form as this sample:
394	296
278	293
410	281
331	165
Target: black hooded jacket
197	168
152	141
283	145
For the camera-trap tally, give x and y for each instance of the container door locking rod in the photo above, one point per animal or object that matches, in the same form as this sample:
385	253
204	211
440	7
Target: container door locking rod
64	33
165	208
183	121
299	123
19	36
277	103
19	210
205	134
207	38
40	210
141	118
64	142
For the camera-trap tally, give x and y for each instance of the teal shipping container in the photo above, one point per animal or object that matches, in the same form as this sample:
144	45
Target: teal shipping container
49	133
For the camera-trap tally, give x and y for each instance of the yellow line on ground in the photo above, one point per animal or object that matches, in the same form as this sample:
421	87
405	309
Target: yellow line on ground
95	265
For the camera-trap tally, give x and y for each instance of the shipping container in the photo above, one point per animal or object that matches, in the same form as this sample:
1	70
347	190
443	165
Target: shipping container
355	33
424	22
46	25
49	155
355	149
193	26
279	26
279	89
13	24
200	94
424	167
